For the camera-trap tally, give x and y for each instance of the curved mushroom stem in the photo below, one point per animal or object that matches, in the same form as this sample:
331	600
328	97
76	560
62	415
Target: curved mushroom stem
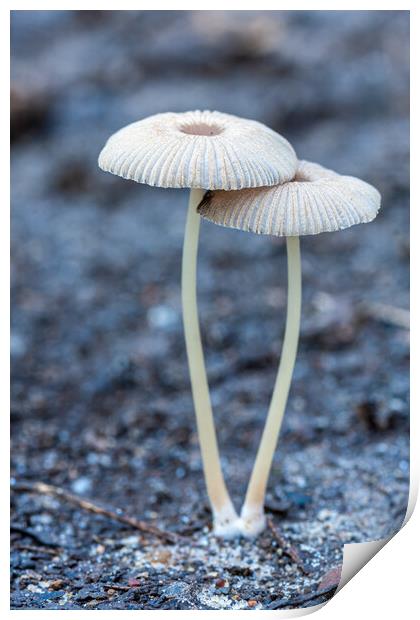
225	518
252	514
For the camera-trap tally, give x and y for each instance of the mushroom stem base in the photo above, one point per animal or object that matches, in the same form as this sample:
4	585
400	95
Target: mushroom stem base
252	521
226	523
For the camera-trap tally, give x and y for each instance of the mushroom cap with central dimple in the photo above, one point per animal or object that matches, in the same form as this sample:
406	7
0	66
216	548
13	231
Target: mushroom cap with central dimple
207	150
316	200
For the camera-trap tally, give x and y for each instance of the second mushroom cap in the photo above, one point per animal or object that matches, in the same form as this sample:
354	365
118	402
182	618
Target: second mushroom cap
316	200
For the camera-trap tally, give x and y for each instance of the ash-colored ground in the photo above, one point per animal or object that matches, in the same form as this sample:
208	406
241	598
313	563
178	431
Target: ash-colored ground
101	402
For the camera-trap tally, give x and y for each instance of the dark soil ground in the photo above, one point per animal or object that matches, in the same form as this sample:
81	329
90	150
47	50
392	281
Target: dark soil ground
101	403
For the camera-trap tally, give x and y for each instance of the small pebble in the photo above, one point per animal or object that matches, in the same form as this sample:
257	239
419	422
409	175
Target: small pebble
56	584
81	485
134	583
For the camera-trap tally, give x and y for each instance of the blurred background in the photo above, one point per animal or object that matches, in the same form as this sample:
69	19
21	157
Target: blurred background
101	401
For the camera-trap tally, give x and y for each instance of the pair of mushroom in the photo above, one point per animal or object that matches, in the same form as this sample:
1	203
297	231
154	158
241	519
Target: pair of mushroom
246	176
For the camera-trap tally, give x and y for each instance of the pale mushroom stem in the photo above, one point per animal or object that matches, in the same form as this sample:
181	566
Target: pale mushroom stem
225	519
252	514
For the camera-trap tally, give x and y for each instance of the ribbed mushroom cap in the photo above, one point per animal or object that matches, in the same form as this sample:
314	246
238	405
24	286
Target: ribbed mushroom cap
207	150
317	200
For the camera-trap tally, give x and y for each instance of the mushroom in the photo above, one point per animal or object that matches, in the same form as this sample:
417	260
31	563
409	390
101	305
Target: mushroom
202	151
317	200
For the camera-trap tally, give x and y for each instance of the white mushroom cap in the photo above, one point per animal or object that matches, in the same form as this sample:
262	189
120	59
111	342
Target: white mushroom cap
207	150
317	200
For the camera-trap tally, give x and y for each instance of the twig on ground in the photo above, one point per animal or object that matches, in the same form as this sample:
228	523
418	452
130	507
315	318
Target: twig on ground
24	532
113	586
297	601
400	317
36	550
287	548
118	515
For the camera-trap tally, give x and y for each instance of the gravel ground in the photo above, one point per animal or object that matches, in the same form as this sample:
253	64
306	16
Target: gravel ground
101	403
